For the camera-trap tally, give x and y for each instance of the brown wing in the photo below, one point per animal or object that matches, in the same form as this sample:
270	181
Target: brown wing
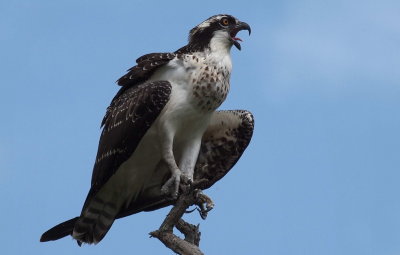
127	119
224	142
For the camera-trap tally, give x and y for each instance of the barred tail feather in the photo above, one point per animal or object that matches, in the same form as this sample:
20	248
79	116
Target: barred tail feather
96	220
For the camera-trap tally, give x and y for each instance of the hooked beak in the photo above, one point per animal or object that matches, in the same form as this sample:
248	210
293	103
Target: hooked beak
234	30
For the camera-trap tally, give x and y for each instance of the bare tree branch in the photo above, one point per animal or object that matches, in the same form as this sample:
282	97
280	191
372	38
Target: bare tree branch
189	246
176	244
191	232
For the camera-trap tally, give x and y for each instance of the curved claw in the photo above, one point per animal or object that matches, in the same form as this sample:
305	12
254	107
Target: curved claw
190	211
202	213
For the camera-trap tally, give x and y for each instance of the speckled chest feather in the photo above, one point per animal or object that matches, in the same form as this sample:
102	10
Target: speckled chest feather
209	79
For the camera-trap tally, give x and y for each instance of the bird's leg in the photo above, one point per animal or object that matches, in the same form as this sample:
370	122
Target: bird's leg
171	186
188	159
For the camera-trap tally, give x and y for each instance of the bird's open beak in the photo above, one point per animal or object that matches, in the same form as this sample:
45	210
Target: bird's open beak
234	30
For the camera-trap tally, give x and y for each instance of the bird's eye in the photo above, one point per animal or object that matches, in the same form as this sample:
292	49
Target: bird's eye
224	21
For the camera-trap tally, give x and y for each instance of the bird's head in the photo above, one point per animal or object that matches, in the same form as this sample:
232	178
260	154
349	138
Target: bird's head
216	32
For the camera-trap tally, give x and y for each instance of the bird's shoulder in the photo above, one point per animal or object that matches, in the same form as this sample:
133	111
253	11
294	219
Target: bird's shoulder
145	66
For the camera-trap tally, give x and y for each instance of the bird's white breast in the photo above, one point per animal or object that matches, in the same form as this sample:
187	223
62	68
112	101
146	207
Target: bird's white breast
199	80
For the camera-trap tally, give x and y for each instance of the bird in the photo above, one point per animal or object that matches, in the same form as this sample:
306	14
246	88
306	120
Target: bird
163	129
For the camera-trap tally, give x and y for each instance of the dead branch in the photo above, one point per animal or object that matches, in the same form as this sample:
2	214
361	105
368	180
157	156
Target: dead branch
190	245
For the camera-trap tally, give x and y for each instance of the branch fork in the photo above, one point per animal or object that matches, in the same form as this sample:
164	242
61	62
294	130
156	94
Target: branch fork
189	245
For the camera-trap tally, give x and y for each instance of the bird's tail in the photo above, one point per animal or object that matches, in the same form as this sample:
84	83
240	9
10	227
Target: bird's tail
90	227
59	231
100	211
95	221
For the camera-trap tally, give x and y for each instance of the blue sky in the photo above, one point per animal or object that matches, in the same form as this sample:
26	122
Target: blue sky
321	77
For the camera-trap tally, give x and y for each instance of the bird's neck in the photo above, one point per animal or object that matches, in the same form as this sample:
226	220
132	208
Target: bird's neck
219	56
220	44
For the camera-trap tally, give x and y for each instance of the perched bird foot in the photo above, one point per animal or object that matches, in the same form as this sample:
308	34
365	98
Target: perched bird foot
204	203
171	187
186	184
186	179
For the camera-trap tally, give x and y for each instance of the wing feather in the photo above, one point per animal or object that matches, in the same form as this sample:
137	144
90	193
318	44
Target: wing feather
146	66
224	142
126	121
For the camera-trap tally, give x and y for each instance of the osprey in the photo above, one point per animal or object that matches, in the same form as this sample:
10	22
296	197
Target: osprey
162	128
